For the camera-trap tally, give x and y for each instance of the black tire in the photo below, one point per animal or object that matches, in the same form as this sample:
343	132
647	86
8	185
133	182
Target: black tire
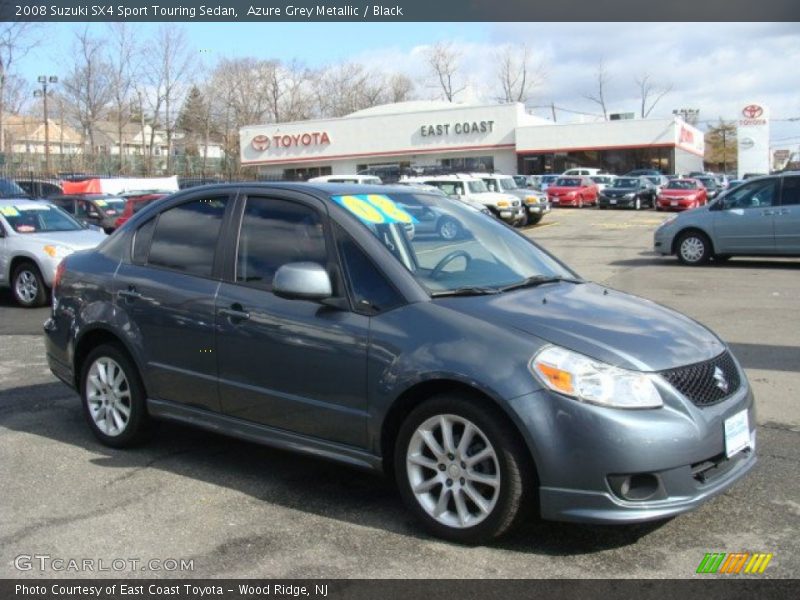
694	248
534	219
138	426
515	494
27	285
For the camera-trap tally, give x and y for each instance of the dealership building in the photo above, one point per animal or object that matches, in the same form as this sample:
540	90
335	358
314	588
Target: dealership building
499	137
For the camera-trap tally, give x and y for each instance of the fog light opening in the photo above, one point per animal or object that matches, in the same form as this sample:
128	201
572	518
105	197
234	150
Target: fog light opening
639	487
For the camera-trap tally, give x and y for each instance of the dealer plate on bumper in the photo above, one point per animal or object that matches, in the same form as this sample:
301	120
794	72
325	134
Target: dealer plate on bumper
737	433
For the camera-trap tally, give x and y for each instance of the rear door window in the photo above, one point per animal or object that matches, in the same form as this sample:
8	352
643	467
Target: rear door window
185	236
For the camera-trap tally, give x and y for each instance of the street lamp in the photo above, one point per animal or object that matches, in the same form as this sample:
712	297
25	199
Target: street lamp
43	94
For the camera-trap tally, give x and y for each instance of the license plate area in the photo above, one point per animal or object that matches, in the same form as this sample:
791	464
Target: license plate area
737	433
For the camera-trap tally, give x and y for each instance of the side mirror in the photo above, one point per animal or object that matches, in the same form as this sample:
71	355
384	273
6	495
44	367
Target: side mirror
302	281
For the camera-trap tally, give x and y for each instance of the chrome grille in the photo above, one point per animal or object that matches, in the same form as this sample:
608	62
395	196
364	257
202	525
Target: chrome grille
708	382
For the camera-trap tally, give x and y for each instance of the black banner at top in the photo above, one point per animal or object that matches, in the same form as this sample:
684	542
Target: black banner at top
256	11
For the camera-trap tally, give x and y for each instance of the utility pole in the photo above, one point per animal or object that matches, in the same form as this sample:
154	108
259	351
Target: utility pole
43	93
553	109
688	114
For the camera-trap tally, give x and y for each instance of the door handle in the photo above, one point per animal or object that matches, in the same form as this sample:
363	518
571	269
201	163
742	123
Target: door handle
767	213
235	313
129	294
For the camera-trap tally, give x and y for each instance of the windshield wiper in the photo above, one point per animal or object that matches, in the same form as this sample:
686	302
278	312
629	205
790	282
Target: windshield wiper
467	291
539	280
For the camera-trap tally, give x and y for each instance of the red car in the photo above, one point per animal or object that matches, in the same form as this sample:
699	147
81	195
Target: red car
572	191
681	194
136	202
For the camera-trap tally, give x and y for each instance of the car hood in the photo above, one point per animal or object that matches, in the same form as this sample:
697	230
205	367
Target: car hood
608	325
77	240
554	189
492	197
617	191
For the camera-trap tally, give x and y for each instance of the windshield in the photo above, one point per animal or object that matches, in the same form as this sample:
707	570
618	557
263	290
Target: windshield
707	181
9	189
600	178
549	178
477	187
508	183
38	218
681	184
628	182
476	252
568	182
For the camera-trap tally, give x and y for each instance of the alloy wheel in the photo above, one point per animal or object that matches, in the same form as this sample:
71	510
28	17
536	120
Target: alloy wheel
448	230
26	286
108	395
453	471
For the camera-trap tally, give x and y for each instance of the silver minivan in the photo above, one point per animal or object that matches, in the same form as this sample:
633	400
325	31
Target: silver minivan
758	218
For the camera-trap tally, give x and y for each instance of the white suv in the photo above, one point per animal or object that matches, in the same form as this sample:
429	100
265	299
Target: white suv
585	171
535	202
507	207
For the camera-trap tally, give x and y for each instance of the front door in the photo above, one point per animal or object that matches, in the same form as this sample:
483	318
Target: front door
745	225
295	365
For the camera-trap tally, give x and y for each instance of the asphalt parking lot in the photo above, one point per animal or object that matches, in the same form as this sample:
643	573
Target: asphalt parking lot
241	510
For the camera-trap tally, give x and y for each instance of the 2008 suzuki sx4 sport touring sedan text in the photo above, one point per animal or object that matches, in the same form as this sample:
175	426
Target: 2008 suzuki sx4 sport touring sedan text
484	375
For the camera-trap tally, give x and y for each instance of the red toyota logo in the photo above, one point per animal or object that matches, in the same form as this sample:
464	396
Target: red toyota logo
260	143
752	111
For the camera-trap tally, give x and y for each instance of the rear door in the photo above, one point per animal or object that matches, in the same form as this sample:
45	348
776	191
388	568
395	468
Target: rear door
296	365
746	223
787	218
168	291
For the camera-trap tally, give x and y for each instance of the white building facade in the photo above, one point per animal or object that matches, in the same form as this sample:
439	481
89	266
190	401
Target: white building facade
494	137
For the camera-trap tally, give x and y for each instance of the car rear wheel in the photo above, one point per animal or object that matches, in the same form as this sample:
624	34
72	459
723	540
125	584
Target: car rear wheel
694	248
460	470
27	286
113	397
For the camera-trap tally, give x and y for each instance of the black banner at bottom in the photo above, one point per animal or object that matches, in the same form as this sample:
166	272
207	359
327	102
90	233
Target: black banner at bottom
381	589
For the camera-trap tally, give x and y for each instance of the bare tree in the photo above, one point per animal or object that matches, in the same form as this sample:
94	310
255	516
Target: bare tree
169	75
346	88
16	40
599	96
443	62
650	93
399	88
122	64
88	86
517	73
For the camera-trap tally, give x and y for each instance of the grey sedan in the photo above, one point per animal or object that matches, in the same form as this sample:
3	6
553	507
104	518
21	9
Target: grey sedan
481	373
758	218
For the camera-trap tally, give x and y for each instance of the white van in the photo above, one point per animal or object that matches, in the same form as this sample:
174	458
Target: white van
506	207
359	179
586	171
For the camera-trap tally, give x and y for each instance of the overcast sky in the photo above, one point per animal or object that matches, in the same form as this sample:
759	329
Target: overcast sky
714	67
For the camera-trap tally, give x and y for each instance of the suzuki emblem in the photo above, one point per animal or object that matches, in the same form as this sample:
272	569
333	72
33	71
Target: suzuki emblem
719	377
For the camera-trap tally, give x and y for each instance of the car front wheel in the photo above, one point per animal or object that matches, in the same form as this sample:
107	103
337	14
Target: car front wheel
113	397
694	248
449	229
28	286
460	470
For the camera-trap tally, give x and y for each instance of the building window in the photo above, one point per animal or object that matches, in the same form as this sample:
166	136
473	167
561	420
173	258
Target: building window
469	163
304	174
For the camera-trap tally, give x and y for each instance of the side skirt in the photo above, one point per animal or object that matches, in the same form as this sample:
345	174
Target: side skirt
263	434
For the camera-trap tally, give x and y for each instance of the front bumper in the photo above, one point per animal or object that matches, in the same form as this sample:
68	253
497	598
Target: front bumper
510	215
605	201
580	450
540	208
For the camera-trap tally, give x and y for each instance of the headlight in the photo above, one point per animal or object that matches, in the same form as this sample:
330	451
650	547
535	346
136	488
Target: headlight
503	204
630	195
57	251
531	200
590	380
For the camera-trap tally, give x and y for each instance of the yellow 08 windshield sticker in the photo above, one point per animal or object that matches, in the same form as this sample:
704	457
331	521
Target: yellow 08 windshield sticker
374	208
9	211
100	202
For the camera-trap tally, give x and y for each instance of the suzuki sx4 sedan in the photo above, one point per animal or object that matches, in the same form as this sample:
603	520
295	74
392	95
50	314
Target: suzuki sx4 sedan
482	374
